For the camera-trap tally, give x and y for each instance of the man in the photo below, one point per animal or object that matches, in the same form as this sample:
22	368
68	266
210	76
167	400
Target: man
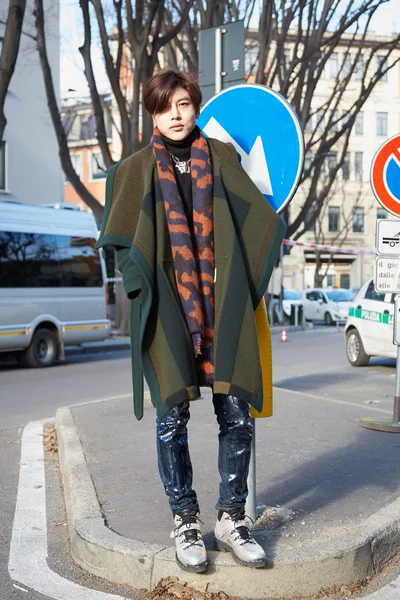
196	244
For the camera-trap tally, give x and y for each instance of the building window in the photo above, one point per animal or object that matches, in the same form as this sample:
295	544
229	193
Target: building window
331	280
346	67
359	68
345	280
333	219
76	160
251	59
381	213
333	65
381	64
288	58
310	221
320	120
334	121
359	124
381	123
358	220
331	163
3	166
358	166
308	160
346	166
98	167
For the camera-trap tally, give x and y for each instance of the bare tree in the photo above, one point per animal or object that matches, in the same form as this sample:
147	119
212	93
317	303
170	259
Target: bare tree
65	158
298	41
9	52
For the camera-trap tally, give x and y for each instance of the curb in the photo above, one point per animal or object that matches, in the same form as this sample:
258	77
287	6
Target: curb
355	552
98	347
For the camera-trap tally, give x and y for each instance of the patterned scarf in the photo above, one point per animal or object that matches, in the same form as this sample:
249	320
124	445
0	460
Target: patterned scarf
193	252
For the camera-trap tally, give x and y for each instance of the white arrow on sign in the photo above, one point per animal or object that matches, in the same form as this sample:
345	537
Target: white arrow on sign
254	163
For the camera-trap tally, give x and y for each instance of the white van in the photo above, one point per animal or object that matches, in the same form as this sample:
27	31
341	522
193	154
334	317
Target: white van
52	282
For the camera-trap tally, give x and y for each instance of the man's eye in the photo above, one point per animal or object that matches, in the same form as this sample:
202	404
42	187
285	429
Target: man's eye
184	104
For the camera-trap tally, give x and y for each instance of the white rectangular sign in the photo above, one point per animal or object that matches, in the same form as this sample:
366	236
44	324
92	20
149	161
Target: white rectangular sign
387	274
388	237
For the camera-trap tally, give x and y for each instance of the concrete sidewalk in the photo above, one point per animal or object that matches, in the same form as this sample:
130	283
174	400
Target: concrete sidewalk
331	487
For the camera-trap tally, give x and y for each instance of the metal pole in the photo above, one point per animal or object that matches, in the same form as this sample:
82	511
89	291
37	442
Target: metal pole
396	407
218	60
251	479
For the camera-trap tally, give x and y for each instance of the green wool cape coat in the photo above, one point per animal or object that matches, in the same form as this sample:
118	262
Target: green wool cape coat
247	237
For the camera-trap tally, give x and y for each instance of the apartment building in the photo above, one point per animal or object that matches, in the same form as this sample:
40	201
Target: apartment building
349	215
80	126
30	170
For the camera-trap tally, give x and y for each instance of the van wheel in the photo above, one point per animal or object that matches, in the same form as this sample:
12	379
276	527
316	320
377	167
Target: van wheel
42	350
355	350
328	319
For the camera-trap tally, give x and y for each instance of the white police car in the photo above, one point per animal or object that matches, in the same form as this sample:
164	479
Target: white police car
369	326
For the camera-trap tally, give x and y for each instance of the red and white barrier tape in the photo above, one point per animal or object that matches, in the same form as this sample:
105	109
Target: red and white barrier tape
334	249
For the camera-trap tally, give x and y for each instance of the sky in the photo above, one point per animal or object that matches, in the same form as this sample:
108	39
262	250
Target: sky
73	82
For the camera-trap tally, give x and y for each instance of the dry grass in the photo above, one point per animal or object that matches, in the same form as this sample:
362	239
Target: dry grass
50	439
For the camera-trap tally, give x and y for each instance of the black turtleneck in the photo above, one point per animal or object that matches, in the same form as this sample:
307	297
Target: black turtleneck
181	149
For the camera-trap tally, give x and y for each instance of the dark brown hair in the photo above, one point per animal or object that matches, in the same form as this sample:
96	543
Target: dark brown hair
162	85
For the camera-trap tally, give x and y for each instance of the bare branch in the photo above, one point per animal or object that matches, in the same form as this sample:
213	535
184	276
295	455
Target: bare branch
94	94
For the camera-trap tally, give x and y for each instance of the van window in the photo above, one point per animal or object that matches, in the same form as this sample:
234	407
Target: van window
43	260
80	261
29	260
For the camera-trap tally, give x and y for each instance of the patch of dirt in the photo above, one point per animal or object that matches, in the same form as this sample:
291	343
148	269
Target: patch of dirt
272	518
50	441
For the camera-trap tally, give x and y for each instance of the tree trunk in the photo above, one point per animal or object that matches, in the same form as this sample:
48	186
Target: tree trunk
9	53
318	277
65	158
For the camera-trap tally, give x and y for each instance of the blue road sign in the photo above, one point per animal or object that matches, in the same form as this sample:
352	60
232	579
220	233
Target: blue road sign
265	131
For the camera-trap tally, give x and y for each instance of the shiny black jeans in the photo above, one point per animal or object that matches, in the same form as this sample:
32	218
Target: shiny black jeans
174	464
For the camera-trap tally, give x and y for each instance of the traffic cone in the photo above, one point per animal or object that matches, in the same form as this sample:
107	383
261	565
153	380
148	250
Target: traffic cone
284	337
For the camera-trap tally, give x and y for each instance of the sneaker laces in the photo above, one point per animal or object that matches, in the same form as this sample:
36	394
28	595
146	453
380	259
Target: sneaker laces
192	535
242	531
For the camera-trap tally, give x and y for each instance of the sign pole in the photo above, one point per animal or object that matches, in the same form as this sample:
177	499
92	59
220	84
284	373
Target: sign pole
255	138
218	60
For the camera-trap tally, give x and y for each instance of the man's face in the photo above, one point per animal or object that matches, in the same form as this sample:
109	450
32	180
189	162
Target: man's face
179	118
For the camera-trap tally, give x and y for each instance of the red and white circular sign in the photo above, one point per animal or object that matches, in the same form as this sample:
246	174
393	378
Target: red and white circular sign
385	175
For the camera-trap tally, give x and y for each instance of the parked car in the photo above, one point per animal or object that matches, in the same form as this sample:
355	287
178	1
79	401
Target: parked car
291	298
327	305
354	291
369	327
53	289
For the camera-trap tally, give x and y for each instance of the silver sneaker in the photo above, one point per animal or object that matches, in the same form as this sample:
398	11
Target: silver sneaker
190	552
232	535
